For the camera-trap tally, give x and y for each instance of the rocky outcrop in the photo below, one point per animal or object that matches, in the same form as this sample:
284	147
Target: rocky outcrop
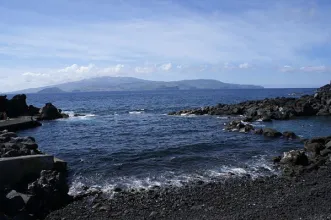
280	108
13	146
36	196
17	107
245	127
315	154
50	112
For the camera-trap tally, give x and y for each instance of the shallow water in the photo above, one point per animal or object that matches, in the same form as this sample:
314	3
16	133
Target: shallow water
127	139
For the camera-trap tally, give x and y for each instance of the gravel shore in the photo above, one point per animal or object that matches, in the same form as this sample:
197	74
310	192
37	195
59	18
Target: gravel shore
307	196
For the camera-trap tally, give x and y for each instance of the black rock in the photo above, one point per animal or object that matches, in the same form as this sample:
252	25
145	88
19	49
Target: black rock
50	112
289	135
295	157
15	203
269	132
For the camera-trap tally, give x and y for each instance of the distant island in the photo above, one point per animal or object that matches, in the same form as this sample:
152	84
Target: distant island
51	90
135	84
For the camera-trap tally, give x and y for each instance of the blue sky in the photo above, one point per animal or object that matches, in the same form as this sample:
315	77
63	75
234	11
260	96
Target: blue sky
270	43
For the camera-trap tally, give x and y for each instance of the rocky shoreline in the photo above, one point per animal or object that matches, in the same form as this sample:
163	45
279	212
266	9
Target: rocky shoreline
32	183
16	115
280	108
29	192
302	192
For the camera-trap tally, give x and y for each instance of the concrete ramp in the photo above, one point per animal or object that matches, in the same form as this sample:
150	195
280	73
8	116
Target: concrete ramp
17	124
14	169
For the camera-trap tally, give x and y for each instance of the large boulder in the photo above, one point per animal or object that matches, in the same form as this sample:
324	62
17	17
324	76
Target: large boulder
3	103
314	147
295	157
33	110
17	106
289	135
51	188
15	203
50	112
269	132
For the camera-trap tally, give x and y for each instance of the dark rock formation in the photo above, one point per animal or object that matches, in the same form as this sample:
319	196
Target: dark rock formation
52	189
269	132
36	196
50	112
280	108
245	127
289	135
3	103
13	146
316	153
17	107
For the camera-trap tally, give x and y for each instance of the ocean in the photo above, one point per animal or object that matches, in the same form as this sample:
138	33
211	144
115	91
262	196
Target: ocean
127	140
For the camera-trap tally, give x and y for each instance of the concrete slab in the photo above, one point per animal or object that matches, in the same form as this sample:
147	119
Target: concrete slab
15	169
17	124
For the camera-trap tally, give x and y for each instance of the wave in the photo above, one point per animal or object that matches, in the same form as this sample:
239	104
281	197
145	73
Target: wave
252	169
136	112
73	115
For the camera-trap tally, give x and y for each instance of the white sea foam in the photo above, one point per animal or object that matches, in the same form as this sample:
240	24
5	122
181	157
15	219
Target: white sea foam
136	112
82	116
257	167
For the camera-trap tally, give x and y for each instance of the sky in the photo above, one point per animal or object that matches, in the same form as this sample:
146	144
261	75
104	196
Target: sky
284	43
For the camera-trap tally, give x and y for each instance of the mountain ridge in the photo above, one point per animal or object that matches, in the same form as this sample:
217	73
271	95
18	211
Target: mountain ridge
136	84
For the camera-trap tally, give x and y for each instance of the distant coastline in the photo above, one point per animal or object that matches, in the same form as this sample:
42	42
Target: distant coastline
103	84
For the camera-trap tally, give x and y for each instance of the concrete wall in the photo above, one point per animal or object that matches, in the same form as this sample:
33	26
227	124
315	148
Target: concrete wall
14	169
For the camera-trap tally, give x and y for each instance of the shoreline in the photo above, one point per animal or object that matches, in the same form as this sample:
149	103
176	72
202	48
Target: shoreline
232	198
302	191
305	196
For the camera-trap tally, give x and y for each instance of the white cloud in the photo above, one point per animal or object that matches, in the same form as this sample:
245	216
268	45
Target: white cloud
313	68
287	68
145	69
32	74
317	69
259	34
166	66
113	69
244	66
77	69
266	34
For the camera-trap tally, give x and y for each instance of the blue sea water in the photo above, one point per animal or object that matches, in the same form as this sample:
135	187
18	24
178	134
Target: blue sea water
126	139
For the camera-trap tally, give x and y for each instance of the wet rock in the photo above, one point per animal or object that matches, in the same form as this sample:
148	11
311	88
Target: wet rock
266	118
8	135
51	188
289	135
269	132
295	157
258	131
314	147
276	159
79	115
328	145
50	112
325	152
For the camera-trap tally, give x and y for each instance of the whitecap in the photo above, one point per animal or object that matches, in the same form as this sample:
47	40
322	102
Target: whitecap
136	112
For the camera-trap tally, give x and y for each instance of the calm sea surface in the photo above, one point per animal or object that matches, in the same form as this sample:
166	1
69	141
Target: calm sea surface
126	139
